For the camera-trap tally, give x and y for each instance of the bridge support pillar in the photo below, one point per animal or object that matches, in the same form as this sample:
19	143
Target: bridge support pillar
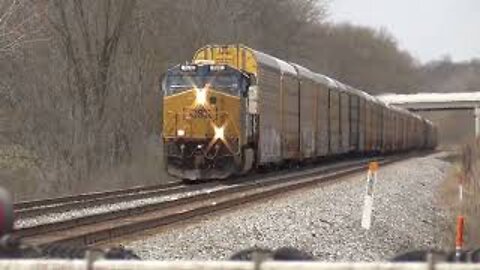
477	122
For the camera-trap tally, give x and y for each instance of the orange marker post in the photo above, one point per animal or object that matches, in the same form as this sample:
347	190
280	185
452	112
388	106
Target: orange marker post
373	166
368	205
459	238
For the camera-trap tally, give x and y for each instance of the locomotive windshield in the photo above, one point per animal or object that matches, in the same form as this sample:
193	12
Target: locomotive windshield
228	80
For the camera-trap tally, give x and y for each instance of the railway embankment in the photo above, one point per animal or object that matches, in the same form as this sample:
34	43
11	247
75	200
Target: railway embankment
325	220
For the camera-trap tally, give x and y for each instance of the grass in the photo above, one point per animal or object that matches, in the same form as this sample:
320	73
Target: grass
17	170
465	170
27	177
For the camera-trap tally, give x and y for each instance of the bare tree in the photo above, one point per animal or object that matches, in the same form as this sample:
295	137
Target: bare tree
90	32
19	24
79	79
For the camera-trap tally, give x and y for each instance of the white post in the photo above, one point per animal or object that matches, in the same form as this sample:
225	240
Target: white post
477	122
368	204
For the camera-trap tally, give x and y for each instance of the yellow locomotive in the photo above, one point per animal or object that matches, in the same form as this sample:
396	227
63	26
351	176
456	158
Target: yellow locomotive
234	108
203	109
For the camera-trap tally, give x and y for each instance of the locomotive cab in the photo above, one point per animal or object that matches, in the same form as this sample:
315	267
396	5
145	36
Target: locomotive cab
202	108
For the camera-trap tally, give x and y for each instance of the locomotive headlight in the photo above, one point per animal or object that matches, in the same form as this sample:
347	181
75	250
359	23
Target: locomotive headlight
188	67
219	133
217	67
180	132
200	96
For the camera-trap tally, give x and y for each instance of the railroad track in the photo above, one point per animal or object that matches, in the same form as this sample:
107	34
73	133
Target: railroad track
34	208
92	229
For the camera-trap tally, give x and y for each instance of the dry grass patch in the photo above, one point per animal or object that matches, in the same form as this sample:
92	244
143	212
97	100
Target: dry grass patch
465	172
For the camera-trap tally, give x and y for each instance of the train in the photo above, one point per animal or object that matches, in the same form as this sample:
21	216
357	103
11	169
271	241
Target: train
233	109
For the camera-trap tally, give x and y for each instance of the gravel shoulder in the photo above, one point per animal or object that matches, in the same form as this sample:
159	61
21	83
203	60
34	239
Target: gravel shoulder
324	221
103	208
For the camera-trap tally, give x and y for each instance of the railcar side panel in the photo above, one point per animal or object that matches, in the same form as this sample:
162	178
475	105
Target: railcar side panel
384	145
345	122
383	128
323	117
420	133
334	106
354	122
290	120
308	117
394	130
395	135
374	111
390	126
426	133
373	126
379	127
362	125
399	132
410	132
413	133
269	144
373	135
368	124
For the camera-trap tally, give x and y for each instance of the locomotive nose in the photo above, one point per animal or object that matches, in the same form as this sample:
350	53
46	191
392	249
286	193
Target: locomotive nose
6	212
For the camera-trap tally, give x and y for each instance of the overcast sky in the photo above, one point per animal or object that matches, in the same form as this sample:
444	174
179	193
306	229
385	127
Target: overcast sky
428	29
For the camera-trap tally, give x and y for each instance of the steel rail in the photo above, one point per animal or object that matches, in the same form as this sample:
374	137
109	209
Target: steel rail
102	200
89	196
28	209
89	230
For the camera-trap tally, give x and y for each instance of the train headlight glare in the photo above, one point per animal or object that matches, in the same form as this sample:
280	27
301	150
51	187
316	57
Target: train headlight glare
217	67
181	132
219	133
188	67
200	96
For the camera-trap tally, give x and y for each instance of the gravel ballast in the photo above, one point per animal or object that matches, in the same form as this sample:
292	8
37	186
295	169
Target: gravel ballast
104	208
325	220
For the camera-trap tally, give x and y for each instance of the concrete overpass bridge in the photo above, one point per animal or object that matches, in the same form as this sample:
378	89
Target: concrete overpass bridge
437	102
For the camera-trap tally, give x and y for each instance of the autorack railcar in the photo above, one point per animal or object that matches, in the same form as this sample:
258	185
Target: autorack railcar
233	109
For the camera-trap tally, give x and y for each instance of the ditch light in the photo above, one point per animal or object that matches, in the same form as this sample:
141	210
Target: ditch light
188	67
